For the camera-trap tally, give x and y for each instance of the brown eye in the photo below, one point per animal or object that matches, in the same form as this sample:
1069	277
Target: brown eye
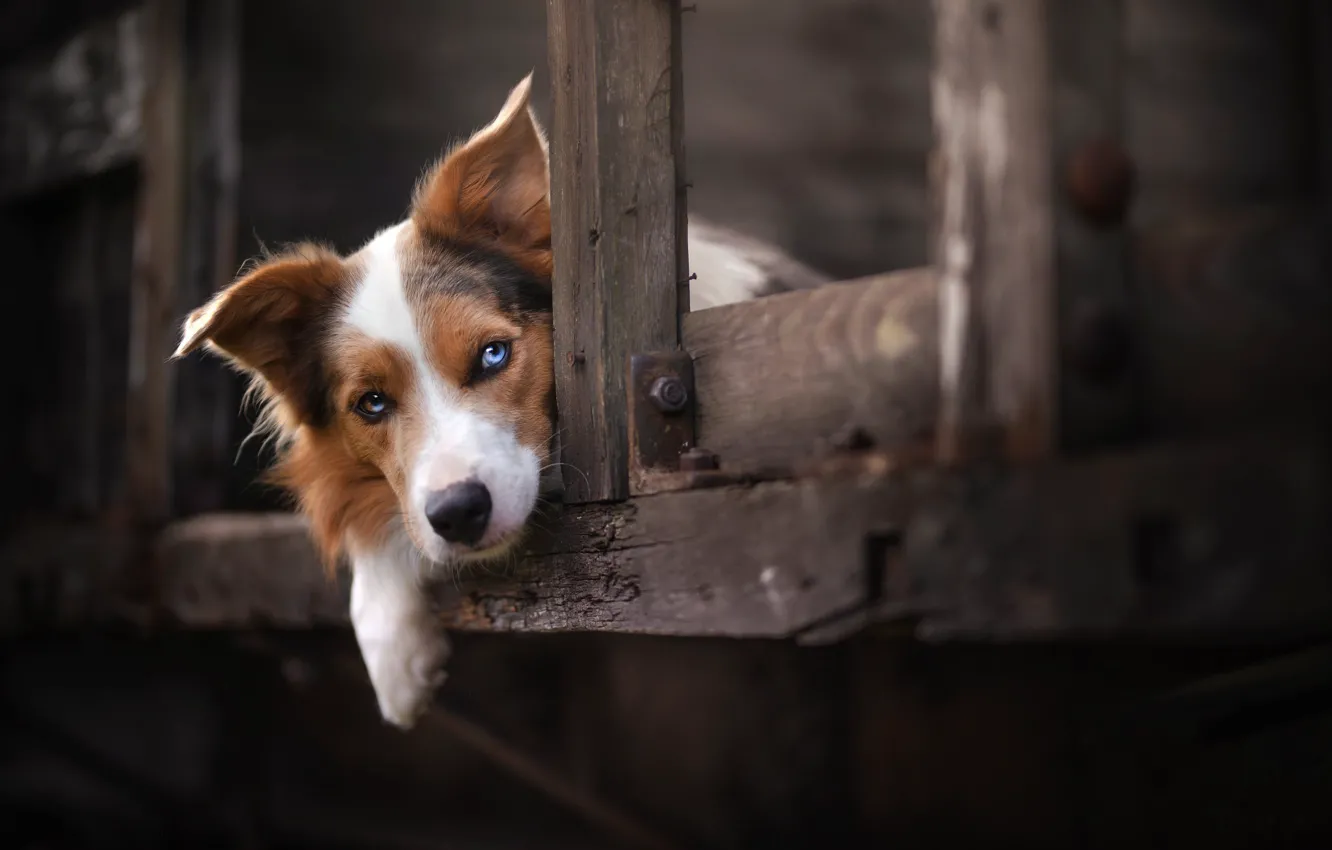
372	406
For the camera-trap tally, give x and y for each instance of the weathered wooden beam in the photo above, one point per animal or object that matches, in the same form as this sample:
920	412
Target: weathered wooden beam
780	378
615	141
1222	540
1232	328
205	405
157	261
75	113
994	231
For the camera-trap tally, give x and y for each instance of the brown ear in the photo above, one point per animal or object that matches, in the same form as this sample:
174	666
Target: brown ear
265	323
495	188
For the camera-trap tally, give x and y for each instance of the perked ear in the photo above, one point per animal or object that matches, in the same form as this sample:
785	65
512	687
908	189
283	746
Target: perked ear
495	188
264	323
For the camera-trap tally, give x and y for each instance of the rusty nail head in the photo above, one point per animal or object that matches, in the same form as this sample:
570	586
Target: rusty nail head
1100	182
669	394
697	460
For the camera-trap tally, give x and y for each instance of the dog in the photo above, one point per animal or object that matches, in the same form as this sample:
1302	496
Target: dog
409	387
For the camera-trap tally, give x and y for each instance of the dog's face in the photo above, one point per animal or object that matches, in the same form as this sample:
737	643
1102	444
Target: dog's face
410	384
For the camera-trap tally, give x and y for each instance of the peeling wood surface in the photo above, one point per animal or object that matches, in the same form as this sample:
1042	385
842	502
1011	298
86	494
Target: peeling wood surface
780	378
615	137
993	235
76	113
1227	540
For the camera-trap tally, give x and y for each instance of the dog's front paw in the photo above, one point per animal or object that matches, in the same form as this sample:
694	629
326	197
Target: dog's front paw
406	668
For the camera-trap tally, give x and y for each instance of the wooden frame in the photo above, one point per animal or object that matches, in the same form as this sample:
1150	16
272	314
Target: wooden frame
924	467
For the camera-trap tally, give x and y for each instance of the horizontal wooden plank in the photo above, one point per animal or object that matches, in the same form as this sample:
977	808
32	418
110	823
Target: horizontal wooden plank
221	570
1230	325
1225	540
75	113
780	377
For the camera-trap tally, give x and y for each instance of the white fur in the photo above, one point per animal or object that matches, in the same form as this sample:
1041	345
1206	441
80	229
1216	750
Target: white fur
401	641
458	444
731	267
403	646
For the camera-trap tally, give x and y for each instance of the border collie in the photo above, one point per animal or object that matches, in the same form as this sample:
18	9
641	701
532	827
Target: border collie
409	387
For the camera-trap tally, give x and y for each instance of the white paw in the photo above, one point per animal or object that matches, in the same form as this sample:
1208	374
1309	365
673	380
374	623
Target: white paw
406	666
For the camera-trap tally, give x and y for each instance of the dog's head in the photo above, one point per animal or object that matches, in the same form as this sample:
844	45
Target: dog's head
410	384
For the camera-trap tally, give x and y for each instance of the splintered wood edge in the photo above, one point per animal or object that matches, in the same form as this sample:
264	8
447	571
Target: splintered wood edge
970	555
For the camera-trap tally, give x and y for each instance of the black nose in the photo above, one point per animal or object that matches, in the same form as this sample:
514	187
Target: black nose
460	512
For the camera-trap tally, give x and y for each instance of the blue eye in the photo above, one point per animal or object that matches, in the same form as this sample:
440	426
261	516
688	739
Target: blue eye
494	356
372	406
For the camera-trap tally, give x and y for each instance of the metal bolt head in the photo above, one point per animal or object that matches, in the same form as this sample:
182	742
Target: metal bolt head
1100	182
669	394
697	460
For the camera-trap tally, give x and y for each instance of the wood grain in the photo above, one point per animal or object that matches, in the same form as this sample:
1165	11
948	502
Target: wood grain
779	378
614	140
993	236
74	113
157	262
1225	539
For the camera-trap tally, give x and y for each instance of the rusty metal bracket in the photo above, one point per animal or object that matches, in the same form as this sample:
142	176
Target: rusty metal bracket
661	414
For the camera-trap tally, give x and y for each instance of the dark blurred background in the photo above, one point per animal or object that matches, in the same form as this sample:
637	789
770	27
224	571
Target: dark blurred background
808	125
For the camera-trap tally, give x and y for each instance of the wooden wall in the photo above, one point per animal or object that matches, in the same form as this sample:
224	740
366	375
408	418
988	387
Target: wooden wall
807	125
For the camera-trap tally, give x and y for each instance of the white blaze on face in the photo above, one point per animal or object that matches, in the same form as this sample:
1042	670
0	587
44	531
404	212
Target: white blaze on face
458	442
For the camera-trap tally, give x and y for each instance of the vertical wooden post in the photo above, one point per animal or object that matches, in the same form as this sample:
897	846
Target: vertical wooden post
1094	185
78	277
204	408
157	264
615	140
994	229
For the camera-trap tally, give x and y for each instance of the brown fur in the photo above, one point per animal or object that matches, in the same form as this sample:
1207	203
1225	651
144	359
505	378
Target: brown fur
494	190
275	324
